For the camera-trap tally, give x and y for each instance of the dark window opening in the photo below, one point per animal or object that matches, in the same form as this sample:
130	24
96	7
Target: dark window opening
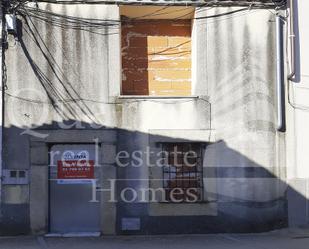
22	174
13	173
183	172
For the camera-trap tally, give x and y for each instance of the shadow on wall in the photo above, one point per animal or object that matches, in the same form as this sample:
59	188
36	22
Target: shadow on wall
249	197
58	82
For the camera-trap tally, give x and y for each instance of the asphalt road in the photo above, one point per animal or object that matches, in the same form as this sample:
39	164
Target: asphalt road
274	240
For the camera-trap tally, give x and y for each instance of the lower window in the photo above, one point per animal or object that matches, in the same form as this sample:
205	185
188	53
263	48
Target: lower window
183	172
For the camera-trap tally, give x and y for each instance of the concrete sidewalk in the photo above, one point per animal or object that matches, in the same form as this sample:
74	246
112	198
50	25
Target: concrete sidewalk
284	239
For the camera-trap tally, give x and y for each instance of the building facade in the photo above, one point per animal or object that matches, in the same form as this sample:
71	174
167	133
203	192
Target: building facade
297	120
141	117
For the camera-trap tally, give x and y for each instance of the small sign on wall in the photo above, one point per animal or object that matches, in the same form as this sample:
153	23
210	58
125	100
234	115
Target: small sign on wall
75	169
130	224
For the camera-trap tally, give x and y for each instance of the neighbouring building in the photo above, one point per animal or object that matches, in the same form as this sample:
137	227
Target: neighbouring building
153	117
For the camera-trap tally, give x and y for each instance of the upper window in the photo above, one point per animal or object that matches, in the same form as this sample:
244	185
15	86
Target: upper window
156	57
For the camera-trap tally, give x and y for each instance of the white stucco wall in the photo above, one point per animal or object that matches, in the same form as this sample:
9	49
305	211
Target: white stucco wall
80	69
1	120
298	121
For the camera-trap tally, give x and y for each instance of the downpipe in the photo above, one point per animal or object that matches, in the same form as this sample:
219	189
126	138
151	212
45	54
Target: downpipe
1	93
280	75
2	30
292	41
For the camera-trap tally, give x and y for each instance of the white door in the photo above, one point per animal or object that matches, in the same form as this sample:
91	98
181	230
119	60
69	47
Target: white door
72	173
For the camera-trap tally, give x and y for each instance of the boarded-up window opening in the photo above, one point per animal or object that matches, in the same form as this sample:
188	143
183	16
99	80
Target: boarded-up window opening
156	57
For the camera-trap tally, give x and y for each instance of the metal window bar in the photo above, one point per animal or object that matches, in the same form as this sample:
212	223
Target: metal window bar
183	176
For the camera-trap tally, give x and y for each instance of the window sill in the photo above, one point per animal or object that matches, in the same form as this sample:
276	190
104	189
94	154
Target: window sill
156	97
188	203
183	209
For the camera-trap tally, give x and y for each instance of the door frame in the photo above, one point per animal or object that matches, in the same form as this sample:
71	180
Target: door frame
39	177
50	146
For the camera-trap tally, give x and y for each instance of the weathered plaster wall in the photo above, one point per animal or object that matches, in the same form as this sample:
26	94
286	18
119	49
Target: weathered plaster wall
65	73
68	72
298	122
1	85
59	75
240	75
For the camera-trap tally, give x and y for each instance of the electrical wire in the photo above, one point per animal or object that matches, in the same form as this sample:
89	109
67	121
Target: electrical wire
75	22
268	3
88	24
55	101
65	21
121	102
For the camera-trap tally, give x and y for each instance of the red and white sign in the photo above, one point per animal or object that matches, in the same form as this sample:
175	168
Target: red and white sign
75	169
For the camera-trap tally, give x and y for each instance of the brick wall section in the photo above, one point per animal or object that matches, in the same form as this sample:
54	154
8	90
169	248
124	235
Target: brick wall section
156	57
